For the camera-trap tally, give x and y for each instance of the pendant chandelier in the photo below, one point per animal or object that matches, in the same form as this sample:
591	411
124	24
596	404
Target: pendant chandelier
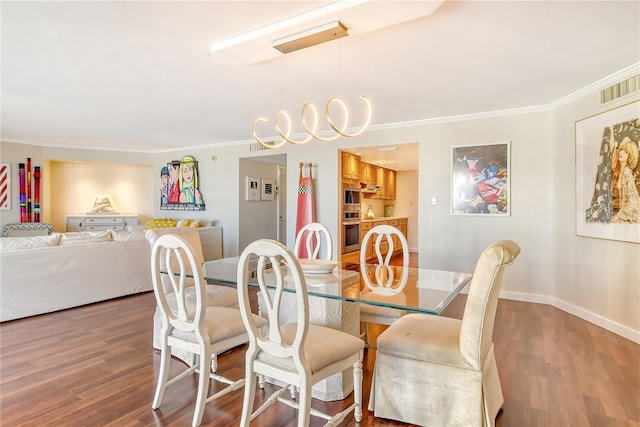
309	117
309	113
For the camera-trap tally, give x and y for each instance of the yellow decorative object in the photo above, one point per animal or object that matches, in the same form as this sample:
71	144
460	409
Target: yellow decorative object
184	223
160	223
194	223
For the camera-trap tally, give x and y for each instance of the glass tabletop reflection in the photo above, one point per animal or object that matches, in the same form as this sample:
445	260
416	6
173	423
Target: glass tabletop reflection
426	290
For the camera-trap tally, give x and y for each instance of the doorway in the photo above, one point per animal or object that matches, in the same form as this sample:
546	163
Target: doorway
262	217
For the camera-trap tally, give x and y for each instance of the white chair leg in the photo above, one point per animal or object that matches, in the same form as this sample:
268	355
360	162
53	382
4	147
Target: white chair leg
163	376
293	391
203	385
247	403
304	402
357	390
214	363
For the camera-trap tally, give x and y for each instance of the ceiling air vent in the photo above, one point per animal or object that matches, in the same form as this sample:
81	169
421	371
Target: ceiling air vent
256	147
620	89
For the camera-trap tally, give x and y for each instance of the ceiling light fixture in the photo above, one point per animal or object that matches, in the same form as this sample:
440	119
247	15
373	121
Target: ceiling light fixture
309	113
288	23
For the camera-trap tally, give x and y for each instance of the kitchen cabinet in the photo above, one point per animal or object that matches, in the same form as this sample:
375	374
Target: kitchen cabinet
368	173
390	184
364	229
350	166
386	179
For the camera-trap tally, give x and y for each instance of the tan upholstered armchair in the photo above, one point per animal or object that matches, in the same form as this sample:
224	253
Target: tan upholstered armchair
438	371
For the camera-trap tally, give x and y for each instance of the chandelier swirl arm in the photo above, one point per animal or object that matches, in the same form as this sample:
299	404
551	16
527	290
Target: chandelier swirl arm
312	129
346	115
265	144
287	135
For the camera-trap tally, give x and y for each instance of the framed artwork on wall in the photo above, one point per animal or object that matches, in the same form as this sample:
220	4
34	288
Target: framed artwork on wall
253	190
480	179
179	187
5	186
608	174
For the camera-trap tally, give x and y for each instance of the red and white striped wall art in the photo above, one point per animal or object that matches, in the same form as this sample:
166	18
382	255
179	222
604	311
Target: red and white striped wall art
5	186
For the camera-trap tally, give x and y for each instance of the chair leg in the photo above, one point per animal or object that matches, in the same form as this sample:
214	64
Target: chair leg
203	383
163	376
304	402
214	363
249	396
357	390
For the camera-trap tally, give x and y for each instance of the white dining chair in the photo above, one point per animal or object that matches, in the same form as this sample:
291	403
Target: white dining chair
312	237
216	295
440	371
381	284
188	323
296	354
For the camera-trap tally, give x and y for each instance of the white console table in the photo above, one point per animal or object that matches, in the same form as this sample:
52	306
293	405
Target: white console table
100	222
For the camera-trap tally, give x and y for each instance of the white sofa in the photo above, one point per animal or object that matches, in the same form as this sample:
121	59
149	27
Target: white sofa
42	274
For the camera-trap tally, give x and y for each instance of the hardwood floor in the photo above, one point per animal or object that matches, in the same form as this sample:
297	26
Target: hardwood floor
94	366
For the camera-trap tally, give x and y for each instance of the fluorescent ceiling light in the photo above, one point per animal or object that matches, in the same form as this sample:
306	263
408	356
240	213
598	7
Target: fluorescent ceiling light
394	148
283	25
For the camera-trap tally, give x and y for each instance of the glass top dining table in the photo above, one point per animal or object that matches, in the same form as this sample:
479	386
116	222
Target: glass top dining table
426	291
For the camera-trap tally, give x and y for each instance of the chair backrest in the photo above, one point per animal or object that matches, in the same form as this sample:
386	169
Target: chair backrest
189	234
311	236
476	330
25	229
384	274
177	255
269	255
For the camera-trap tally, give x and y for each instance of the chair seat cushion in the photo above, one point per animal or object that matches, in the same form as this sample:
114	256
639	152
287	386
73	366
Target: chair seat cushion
323	347
424	337
221	323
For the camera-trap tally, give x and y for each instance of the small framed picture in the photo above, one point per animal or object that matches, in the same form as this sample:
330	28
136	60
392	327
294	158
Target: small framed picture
480	179
267	192
253	190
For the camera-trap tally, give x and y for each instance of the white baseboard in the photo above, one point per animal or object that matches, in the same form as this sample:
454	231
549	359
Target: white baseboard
596	319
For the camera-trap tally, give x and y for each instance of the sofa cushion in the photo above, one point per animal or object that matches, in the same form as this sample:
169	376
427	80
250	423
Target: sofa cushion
84	237
11	243
125	236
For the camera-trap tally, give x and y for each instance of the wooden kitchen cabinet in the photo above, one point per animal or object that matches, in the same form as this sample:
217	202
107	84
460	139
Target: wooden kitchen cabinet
350	166
390	184
386	179
364	229
367	173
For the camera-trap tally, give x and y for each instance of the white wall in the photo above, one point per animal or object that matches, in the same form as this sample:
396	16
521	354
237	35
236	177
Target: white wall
406	204
598	280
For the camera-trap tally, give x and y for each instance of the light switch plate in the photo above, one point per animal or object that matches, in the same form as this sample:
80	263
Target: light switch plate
434	201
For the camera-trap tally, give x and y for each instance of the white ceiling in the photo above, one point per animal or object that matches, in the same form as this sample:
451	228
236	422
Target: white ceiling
138	75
